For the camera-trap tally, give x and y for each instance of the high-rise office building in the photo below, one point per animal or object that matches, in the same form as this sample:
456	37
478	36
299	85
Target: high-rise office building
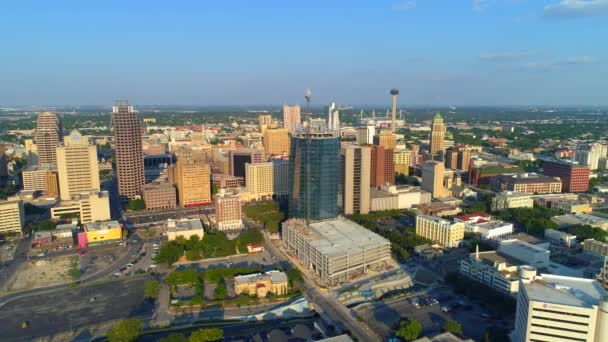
457	158
574	177
291	118
129	150
265	180
228	214
382	166
433	175
193	178
276	141
239	157
314	172
437	135
264	122
41	178
365	134
333	117
159	196
77	166
558	308
354	184
48	133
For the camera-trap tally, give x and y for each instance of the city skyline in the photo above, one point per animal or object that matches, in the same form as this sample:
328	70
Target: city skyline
535	53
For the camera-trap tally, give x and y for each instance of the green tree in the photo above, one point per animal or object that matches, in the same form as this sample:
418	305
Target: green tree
47	225
206	335
126	331
151	288
294	277
220	292
174	337
409	329
452	327
136	205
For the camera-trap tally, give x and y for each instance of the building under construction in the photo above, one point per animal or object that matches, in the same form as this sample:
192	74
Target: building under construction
337	250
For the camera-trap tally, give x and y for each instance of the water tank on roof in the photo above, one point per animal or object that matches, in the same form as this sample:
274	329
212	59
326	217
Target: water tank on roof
527	272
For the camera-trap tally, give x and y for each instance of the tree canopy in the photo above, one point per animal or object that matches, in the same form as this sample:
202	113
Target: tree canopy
409	329
206	335
452	327
126	331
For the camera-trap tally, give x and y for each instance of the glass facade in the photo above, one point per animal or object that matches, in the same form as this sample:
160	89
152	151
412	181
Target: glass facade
314	171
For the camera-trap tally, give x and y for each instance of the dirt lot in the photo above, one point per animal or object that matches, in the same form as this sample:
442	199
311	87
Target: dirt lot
43	273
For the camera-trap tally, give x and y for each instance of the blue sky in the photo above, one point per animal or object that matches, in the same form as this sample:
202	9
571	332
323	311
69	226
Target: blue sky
437	52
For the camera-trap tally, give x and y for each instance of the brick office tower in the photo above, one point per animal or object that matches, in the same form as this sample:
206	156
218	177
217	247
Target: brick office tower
129	151
48	133
382	166
574	177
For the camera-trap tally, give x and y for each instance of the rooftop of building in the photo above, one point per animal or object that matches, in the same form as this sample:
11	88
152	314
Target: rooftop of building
513	194
316	135
434	219
89	227
525	178
338	237
522	246
476	217
66	226
579	292
158	185
184	224
492	224
525	237
498	168
579	219
274	276
443	337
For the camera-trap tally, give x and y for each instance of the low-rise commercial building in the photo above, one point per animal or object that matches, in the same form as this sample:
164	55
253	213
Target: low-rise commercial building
185	228
525	252
551	200
222	181
441	231
573	207
439	209
557	308
529	183
569	220
12	216
508	199
100	232
484	225
336	250
261	284
159	196
596	247
87	207
389	197
495	271
559	238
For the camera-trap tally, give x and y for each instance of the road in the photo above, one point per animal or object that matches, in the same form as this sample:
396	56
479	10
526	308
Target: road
324	303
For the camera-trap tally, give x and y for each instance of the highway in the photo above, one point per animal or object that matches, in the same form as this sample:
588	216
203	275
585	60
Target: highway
324	303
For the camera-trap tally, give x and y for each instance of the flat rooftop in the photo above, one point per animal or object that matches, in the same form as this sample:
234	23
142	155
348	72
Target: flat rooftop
89	227
528	178
513	194
274	276
573	219
492	224
339	236
525	237
523	246
570	291
184	224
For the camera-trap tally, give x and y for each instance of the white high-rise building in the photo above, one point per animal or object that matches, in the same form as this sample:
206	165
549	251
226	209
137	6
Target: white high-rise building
561	309
333	119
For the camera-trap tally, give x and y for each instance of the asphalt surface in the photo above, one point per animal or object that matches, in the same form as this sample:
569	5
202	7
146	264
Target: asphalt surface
71	308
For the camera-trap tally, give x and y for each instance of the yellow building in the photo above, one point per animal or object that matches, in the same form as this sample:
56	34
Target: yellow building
439	230
41	178
12	216
387	139
437	135
77	166
263	180
185	228
100	232
402	160
260	284
276	141
193	178
88	207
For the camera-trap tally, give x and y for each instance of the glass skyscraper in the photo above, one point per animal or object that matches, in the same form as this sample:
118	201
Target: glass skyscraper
314	171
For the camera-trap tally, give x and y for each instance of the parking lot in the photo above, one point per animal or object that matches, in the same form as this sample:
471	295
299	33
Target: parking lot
432	310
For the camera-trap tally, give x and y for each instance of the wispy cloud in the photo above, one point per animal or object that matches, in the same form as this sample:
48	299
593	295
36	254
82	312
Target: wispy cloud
543	66
480	5
404	6
566	9
507	56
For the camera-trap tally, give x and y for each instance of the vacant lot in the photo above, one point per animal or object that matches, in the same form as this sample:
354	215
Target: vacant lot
43	273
